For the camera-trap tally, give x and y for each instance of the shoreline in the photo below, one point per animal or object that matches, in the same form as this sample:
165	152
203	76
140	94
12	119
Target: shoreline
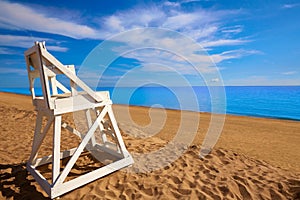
227	114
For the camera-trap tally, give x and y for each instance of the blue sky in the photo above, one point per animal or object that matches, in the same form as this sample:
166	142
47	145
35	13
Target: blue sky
250	42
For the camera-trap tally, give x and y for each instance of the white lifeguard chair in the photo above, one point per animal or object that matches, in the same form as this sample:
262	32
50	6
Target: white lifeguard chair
52	104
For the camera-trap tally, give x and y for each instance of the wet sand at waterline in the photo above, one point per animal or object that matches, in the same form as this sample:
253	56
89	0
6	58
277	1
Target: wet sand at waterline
254	158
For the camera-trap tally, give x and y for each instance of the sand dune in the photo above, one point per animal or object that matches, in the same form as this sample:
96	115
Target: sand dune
235	169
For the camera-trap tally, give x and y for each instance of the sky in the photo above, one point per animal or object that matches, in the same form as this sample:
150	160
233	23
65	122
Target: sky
200	42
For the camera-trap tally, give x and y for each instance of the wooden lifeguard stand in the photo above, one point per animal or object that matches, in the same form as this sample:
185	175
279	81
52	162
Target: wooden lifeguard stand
52	104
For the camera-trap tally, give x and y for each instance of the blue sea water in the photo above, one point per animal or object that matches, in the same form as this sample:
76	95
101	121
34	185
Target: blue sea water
260	101
273	101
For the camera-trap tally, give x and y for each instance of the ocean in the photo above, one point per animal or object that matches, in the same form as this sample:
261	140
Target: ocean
282	102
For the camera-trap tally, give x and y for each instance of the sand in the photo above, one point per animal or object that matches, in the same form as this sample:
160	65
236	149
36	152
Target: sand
255	158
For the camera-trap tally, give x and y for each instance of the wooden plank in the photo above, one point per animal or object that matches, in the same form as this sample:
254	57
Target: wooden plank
109	150
62	87
36	62
56	149
36	143
72	130
89	123
79	102
117	132
39	178
89	177
64	95
31	77
48	159
53	85
34	73
72	83
48	71
31	50
47	87
39	136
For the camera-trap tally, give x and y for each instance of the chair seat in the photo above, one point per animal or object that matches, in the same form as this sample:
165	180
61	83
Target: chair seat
65	103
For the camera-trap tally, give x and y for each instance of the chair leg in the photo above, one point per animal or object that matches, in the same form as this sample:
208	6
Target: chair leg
90	123
56	148
39	136
101	128
118	135
103	135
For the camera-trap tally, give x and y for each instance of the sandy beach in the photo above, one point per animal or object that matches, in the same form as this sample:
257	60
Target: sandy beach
255	158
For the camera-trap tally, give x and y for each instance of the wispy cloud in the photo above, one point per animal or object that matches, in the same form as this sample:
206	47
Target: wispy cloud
215	80
126	20
6	51
57	48
233	54
288	6
21	72
232	29
18	41
290	73
19	16
161	50
223	42
161	47
205	27
199	24
171	4
26	42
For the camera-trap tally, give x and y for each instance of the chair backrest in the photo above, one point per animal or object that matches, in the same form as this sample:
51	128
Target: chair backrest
41	64
35	70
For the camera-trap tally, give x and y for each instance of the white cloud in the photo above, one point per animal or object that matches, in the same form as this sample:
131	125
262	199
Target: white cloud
6	51
232	29
171	4
204	32
19	41
27	42
223	42
288	6
200	24
21	72
18	16
56	48
190	1
290	73
176	51
130	19
114	23
215	80
217	58
164	48
181	20
157	48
